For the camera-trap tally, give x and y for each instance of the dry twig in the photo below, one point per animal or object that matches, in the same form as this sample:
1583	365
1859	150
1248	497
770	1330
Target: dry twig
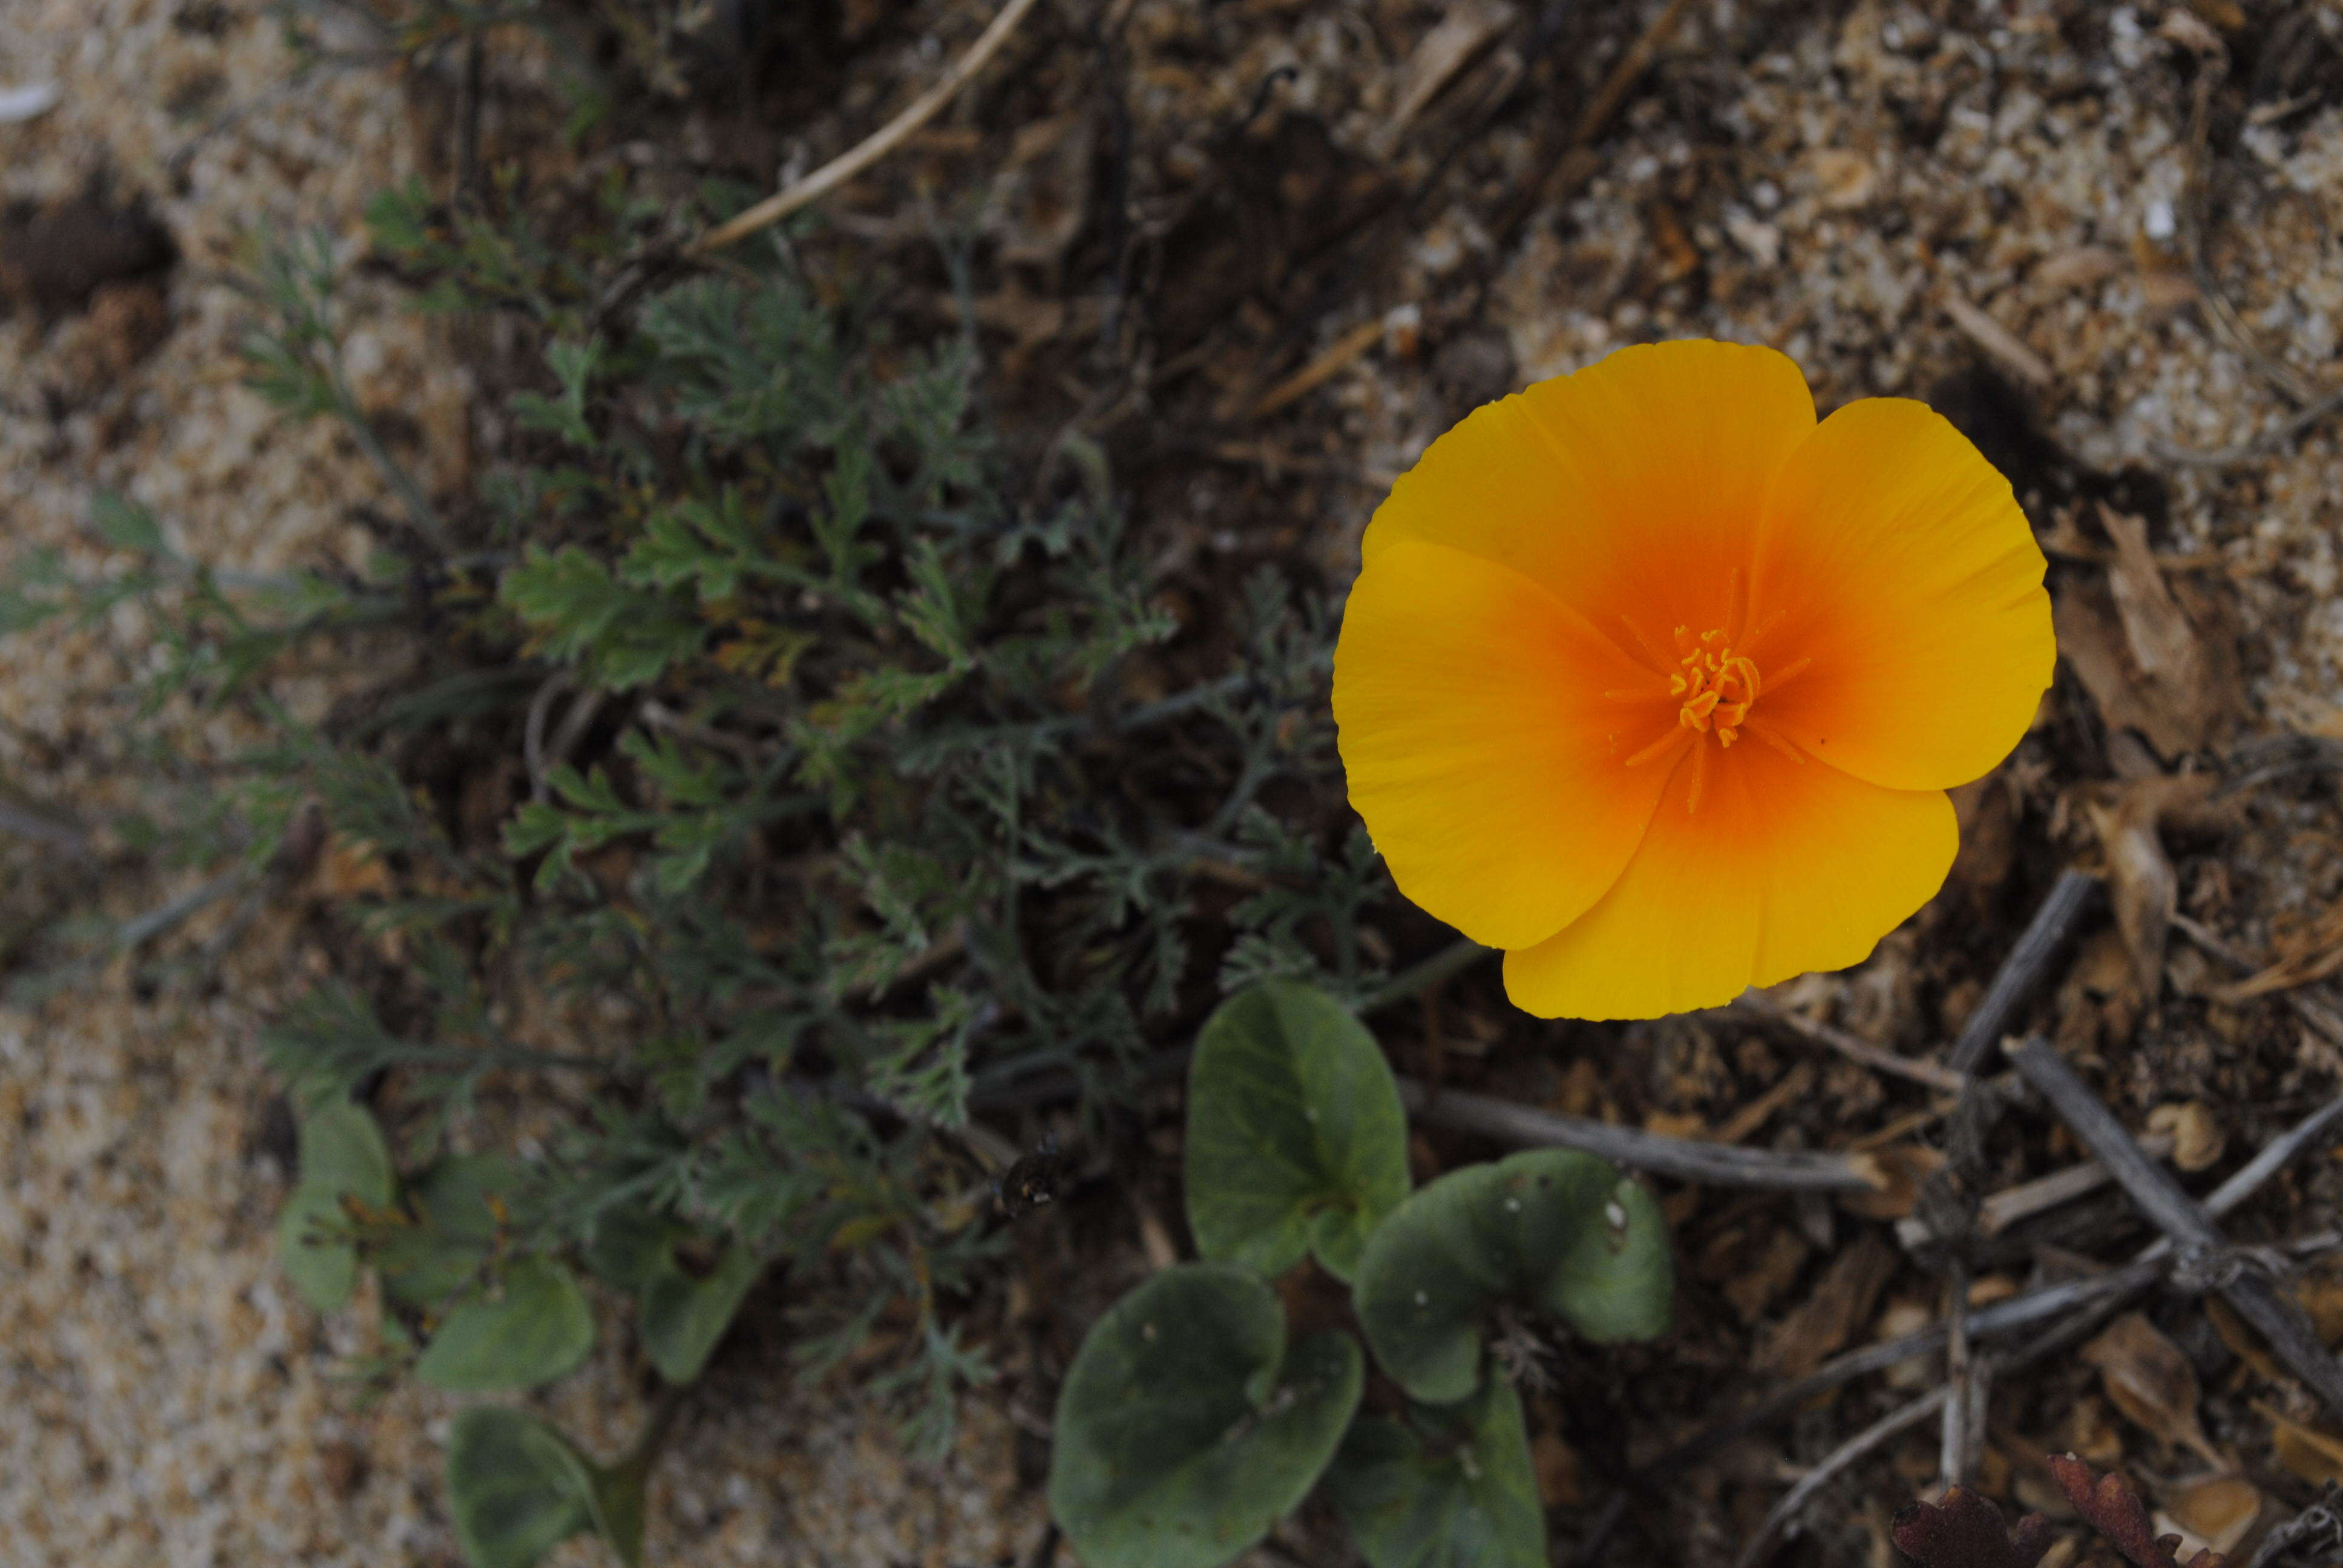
2199	1244
1756	1006
2086	1296
874	147
1685	1159
1841	1458
2069	899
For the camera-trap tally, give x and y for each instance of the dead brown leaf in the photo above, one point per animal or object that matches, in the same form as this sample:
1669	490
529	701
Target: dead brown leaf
2148	1379
2211	1514
2309	1453
1841	1302
2310	952
2156	630
2142	884
2320	1294
1042	194
2141	652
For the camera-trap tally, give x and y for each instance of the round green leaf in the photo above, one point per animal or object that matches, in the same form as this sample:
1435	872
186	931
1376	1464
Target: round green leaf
532	1327
514	1487
1552	1229
1185	1426
1296	1142
1452	1487
341	1152
517	1487
682	1318
454	1205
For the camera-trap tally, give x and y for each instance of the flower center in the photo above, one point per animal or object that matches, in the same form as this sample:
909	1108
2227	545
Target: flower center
1717	685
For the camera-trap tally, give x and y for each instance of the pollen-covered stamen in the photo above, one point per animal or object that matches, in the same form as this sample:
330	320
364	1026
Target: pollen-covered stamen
1717	685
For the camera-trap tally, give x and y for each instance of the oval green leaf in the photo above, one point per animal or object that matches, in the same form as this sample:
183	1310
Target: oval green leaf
514	1487
341	1153
681	1318
1452	1487
534	1327
1550	1229
454	1205
1296	1140
1186	1427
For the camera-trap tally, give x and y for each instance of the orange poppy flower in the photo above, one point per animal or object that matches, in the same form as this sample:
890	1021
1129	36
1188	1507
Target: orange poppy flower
1657	684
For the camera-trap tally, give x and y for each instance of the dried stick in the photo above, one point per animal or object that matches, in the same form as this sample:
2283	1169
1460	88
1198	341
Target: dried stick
2002	1317
2062	911
2016	1312
2198	1242
1578	161
1964	1385
2316	1014
877	146
2001	1210
1626	73
1752	1007
43	829
2323	1517
1686	1159
1839	1459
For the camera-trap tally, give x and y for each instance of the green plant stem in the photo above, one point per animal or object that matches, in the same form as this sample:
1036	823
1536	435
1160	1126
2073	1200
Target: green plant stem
1436	971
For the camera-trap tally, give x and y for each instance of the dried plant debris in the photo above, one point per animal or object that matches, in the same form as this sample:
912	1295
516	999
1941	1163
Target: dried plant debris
2115	1511
2143	886
2150	1380
1965	1531
2151	647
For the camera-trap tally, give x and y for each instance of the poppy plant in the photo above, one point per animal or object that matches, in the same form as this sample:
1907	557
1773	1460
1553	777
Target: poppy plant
1656	683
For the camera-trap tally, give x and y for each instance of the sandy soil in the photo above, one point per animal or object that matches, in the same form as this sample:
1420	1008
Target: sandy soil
1889	198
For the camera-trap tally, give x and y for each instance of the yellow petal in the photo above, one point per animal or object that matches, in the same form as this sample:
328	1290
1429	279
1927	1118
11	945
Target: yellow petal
1479	744
1632	488
1894	559
1784	867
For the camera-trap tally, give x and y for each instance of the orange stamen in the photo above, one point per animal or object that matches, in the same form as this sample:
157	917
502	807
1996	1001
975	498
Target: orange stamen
1666	744
1776	739
1714	683
1652	660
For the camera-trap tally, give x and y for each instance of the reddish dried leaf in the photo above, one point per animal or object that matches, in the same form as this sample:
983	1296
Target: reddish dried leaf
2115	1511
1965	1531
